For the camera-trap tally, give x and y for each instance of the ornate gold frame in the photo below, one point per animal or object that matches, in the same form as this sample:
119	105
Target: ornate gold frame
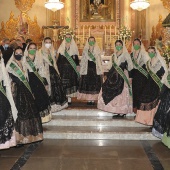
85	11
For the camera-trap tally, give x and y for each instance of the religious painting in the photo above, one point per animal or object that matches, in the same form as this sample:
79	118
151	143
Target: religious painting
97	10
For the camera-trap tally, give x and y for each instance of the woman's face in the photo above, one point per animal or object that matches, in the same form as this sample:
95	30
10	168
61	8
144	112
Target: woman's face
32	47
118	44
91	40
68	36
47	41
18	52
151	53
136	43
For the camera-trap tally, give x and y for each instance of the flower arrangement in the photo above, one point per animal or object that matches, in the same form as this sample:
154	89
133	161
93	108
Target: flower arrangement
166	52
125	33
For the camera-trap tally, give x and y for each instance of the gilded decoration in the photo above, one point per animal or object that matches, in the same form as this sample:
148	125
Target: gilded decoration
24	5
157	32
166	4
97	10
22	25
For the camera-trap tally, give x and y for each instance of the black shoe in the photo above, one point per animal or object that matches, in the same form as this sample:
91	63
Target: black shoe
92	103
118	116
88	103
19	145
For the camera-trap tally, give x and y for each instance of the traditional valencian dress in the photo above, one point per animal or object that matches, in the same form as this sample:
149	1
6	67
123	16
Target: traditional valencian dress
116	93
7	110
90	71
161	123
67	63
37	84
139	75
56	91
28	124
149	98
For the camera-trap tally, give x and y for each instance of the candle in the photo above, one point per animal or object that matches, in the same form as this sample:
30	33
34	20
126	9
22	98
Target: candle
78	33
89	31
83	33
105	35
110	33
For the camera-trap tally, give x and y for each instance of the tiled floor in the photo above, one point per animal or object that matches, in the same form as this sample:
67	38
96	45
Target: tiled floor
87	155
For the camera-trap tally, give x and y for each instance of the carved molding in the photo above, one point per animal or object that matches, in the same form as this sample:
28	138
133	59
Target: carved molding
24	5
166	4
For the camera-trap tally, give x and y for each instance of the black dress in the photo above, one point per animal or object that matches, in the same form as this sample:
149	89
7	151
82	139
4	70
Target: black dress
6	120
161	123
58	94
149	97
90	83
42	100
28	124
114	84
68	75
138	84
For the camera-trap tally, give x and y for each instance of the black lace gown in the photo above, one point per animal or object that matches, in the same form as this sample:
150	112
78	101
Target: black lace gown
114	84
68	75
6	122
149	97
138	84
161	123
42	99
28	124
58	97
90	83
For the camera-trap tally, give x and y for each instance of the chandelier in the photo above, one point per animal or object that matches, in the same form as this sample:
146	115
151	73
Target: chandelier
139	4
54	5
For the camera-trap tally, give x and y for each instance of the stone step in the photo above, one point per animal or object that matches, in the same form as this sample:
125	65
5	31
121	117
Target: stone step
64	120
98	132
85	112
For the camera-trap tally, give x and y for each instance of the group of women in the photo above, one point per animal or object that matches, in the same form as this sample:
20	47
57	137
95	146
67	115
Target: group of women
38	82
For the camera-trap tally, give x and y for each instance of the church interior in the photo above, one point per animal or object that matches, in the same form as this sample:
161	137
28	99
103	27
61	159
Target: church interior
82	137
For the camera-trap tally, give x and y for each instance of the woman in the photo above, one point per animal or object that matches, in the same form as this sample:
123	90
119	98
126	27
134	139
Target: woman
161	123
90	71
55	89
149	97
139	73
8	110
116	93
37	83
28	124
68	63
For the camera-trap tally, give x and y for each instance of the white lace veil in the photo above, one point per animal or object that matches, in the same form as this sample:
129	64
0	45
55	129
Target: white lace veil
73	48
142	52
96	50
7	84
125	56
52	52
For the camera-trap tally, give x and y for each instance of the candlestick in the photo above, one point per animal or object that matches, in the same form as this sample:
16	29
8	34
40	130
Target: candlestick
89	31
105	35
110	33
83	33
115	30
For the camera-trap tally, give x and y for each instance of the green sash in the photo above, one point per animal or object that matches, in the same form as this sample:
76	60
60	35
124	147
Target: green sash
50	59
143	71
154	77
2	89
31	64
92	56
71	61
21	76
168	78
122	74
